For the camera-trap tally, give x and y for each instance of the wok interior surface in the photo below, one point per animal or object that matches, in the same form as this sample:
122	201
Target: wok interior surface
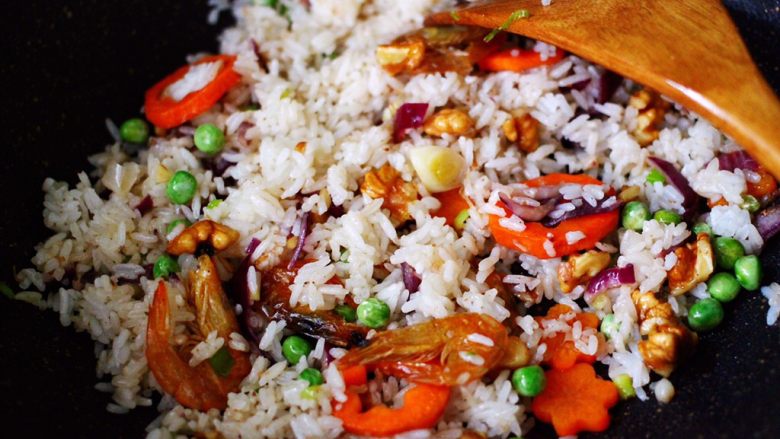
70	64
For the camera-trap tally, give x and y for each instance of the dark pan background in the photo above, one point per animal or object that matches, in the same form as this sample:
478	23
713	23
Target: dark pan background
67	65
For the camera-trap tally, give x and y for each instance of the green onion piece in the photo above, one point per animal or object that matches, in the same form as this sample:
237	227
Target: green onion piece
286	93
310	393
460	220
6	290
454	15
656	176
514	16
222	362
213	203
625	386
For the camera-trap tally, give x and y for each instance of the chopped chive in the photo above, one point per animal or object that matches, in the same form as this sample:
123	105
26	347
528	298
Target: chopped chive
286	93
6	290
222	362
454	15
514	16
213	203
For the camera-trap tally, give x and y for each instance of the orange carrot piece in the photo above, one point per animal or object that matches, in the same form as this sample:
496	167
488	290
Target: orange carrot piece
423	406
517	60
452	202
561	354
532	239
575	400
765	186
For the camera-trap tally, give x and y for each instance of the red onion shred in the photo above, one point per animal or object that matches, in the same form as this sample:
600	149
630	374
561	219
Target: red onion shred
737	160
676	179
528	213
604	205
610	278
411	280
252	323
303	230
408	116
145	205
768	222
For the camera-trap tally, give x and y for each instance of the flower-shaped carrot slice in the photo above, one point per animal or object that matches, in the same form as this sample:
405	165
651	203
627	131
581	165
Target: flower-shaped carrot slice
561	353
575	400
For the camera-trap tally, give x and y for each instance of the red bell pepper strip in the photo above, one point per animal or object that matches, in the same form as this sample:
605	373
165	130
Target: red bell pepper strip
532	239
517	60
165	112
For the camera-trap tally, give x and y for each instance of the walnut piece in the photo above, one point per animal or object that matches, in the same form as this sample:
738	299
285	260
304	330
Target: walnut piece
217	235
401	56
694	264
652	109
581	268
453	121
523	130
665	341
387	183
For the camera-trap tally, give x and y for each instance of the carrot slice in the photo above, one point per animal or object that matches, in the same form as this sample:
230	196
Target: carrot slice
164	112
575	400
453	202
517	60
532	239
423	406
561	354
763	187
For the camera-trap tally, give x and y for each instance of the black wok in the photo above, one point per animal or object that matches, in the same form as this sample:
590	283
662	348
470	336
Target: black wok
67	65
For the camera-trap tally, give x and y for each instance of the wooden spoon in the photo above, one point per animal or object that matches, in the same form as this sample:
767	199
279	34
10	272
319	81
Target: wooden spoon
688	50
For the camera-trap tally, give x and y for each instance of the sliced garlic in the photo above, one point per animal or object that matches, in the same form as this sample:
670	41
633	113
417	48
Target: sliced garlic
120	178
439	168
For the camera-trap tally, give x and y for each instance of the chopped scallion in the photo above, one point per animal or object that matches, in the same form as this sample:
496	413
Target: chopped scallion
454	15
222	362
514	16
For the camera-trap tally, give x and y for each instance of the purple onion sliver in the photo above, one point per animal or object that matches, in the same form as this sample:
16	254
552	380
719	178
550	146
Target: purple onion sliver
608	84
528	213
408	116
610	278
768	222
737	160
145	205
411	280
303	227
252	246
604	205
676	179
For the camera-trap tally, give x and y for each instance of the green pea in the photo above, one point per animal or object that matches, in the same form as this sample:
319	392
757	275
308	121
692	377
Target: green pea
705	314
460	220
723	287
702	228
165	266
209	139
664	216
294	348
175	224
373	313
222	362
625	386
609	325
750	203
529	380
312	375
181	187
749	272
634	215
347	313
727	251
656	176
134	131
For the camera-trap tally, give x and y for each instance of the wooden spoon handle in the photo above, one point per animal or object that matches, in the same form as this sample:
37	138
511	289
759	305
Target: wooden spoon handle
688	50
